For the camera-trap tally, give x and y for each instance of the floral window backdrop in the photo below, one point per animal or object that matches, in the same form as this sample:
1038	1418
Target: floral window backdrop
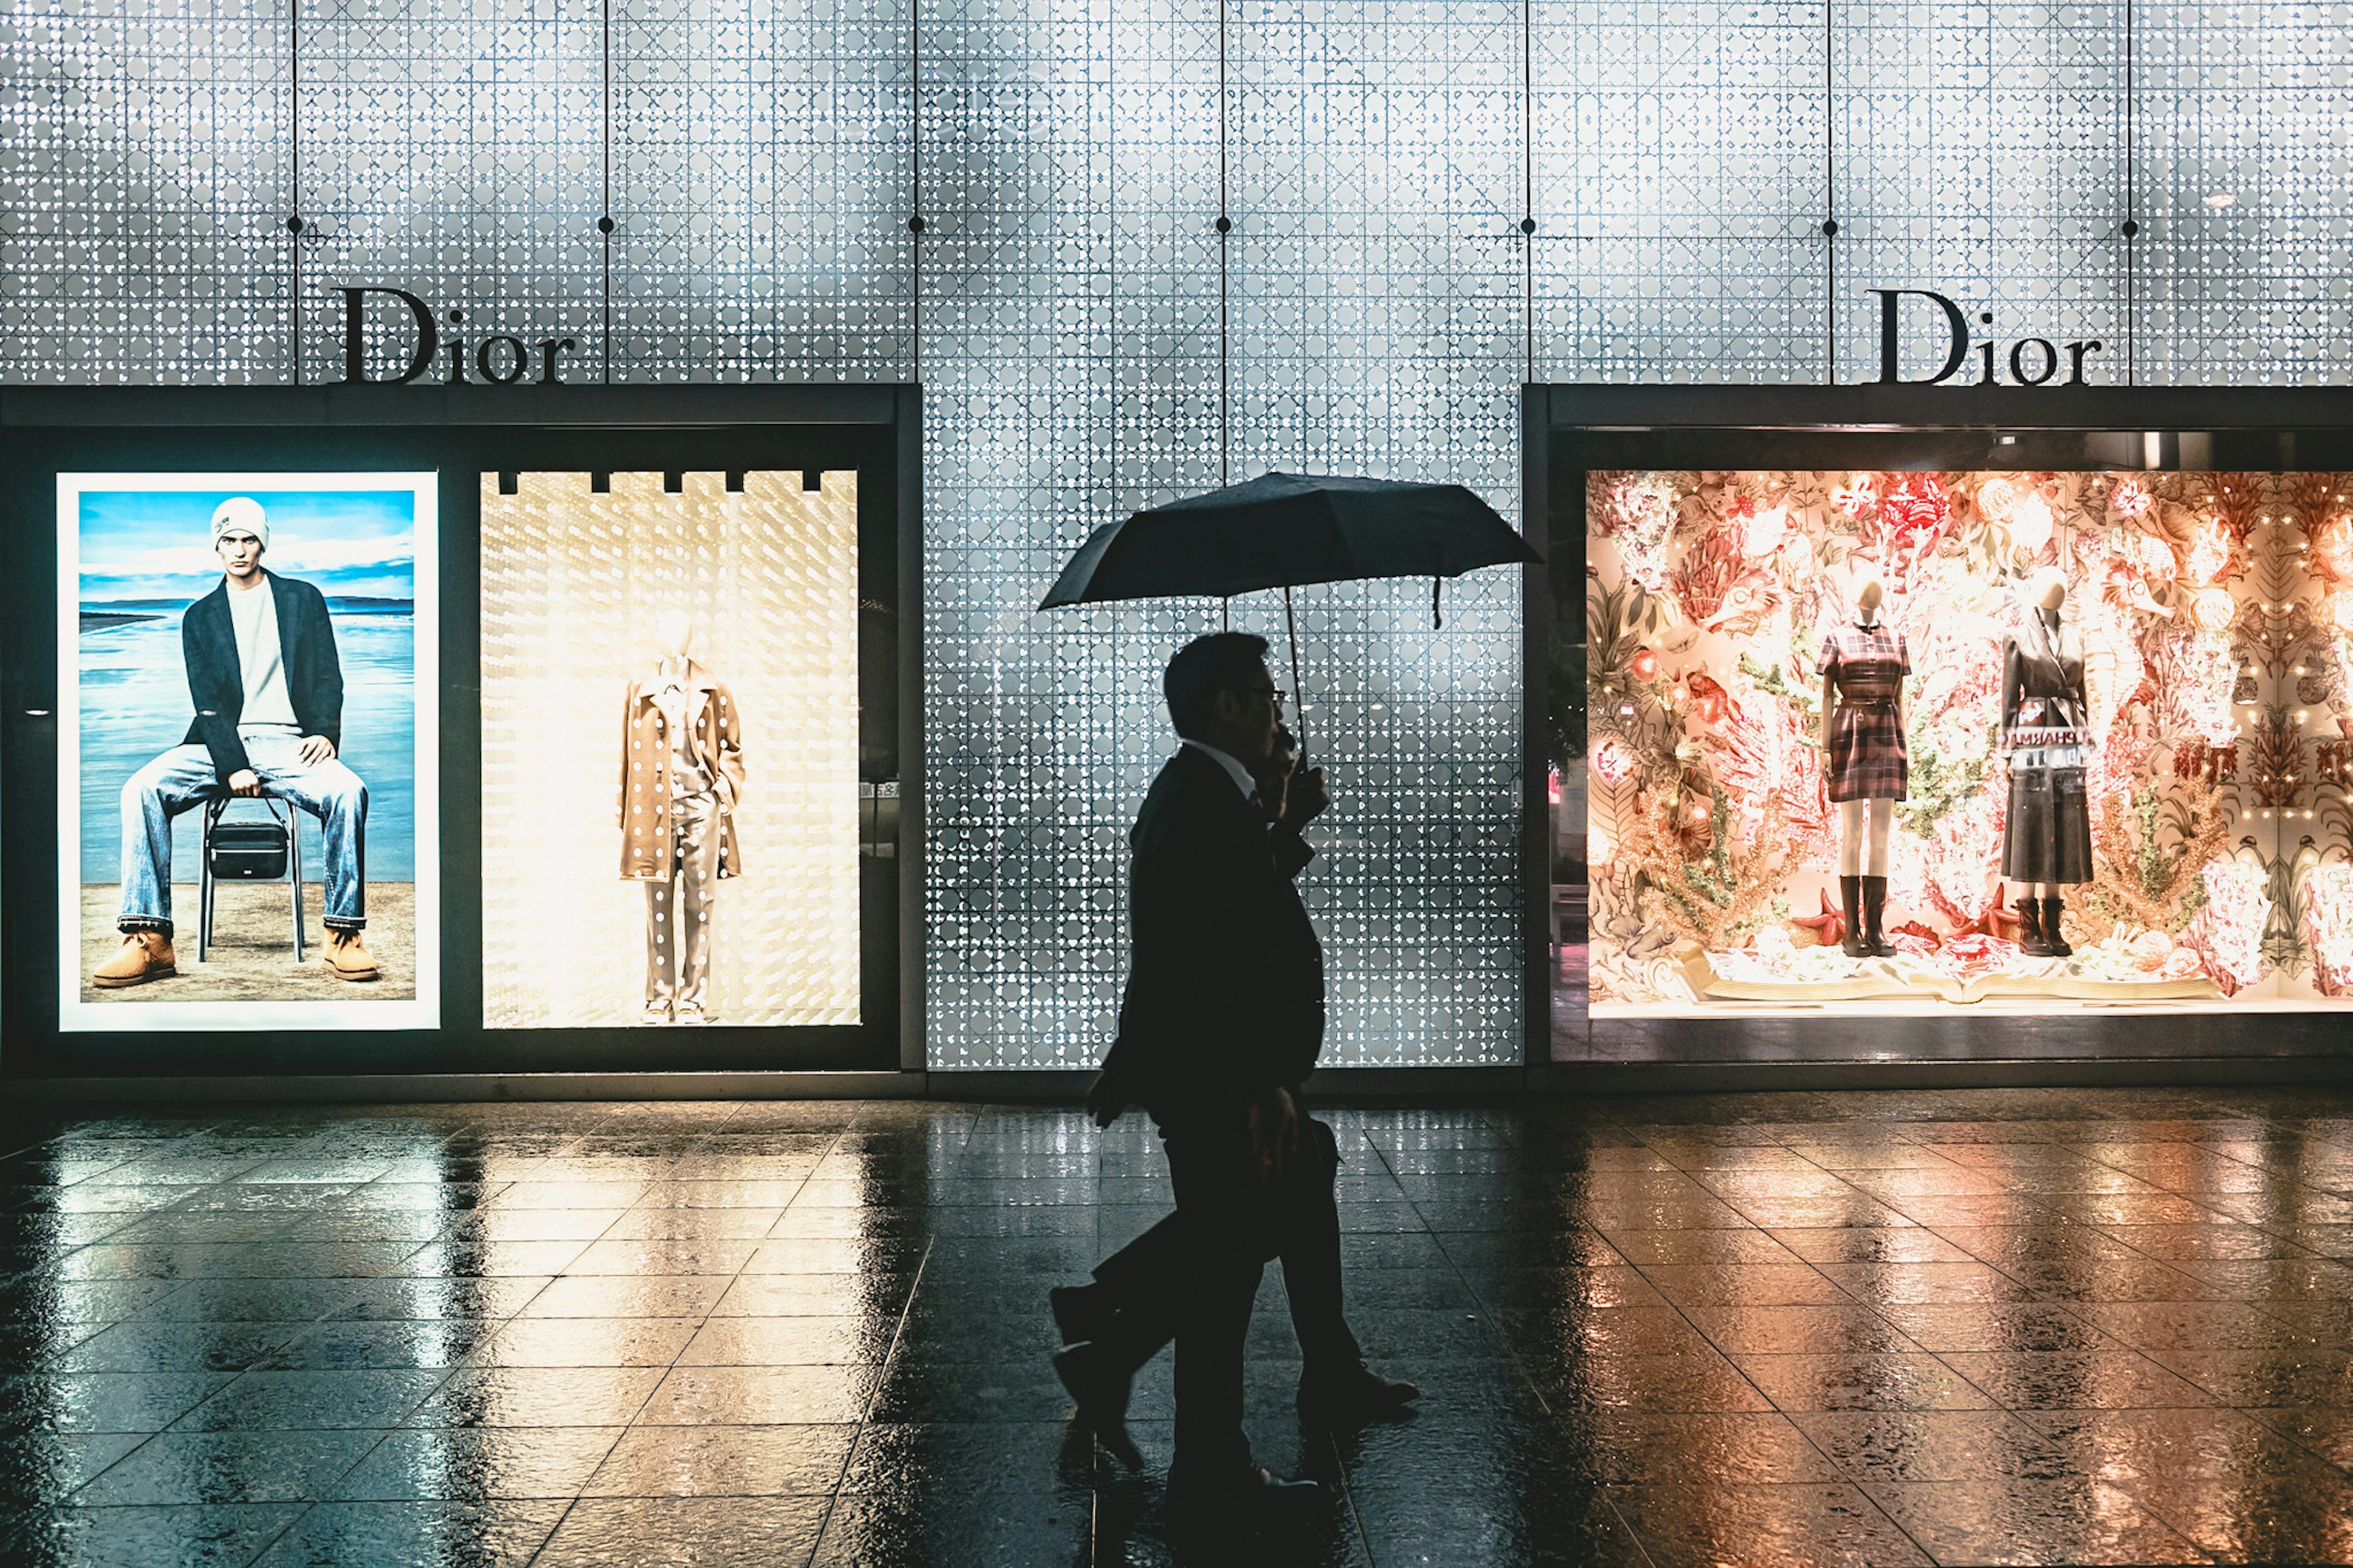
2216	615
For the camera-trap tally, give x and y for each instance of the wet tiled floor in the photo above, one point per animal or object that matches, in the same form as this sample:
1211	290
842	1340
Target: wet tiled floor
2046	1326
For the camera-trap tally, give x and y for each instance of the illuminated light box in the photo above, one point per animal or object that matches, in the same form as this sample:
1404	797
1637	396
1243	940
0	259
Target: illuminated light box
166	633
588	597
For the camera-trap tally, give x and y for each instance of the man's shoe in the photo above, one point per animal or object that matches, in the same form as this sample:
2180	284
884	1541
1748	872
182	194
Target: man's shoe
655	1013
145	955
347	957
1237	1499
1352	1395
1078	1312
1102	1391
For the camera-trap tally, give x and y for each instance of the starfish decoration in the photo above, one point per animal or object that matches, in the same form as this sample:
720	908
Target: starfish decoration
1828	927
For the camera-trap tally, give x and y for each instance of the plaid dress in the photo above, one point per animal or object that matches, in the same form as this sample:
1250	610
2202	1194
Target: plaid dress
1867	665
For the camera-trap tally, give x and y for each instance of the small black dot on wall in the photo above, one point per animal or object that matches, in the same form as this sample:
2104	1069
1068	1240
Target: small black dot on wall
1829	229
2132	228
1527	225
604	224
915	225
1224	223
294	224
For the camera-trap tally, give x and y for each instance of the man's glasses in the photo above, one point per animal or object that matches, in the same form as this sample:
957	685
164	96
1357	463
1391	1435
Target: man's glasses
1274	694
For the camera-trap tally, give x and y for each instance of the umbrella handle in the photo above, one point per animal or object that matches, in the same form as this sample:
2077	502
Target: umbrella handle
1298	689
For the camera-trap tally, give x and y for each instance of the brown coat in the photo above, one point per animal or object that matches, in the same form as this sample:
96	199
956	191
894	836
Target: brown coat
645	774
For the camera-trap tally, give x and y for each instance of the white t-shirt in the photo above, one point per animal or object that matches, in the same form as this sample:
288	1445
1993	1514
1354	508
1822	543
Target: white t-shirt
261	661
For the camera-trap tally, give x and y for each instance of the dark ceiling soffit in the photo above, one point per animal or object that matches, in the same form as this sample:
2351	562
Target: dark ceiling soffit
382	407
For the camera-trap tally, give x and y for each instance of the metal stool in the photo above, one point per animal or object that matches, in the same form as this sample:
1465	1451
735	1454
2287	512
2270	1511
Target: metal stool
247	852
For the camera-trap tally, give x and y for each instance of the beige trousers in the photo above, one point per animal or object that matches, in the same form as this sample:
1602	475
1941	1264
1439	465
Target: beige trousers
678	963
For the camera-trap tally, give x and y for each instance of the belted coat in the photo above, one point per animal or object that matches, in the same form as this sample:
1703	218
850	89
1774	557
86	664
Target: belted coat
646	779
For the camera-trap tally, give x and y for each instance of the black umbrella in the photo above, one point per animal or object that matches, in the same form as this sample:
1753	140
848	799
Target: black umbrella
1281	530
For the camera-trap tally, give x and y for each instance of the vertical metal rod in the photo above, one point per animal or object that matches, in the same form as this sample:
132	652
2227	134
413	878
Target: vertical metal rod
604	224
1225	229
915	184
1298	687
1830	192
1528	189
2132	215
294	178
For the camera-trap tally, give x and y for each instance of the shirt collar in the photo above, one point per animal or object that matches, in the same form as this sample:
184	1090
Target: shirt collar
1234	769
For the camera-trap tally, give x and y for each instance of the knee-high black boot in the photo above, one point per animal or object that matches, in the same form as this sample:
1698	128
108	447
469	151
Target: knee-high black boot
1874	908
2052	905
1851	895
2030	931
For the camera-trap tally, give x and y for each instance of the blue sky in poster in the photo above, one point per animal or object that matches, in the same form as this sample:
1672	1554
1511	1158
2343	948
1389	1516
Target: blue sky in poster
157	544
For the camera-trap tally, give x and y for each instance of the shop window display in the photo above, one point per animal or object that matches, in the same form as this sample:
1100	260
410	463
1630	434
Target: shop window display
1913	741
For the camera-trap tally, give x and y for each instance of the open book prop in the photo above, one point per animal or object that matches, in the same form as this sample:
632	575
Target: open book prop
2128	967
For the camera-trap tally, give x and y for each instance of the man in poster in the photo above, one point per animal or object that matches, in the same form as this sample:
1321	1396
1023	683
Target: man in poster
268	691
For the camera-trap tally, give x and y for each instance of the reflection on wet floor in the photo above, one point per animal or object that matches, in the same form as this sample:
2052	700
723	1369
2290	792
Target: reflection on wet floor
2033	1326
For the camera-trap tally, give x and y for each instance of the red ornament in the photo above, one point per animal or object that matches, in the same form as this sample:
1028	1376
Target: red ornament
1916	511
1644	664
1915	929
1828	927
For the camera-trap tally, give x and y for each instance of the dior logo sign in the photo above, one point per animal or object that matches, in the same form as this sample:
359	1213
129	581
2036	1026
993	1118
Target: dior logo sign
2032	362
500	359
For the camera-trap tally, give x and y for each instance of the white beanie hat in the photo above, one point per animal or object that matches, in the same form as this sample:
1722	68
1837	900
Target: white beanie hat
241	515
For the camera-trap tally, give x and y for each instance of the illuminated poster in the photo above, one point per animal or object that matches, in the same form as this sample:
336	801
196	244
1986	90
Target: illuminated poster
1904	742
247	752
669	752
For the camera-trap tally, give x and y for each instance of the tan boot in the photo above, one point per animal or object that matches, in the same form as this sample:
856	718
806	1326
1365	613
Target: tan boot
347	957
146	955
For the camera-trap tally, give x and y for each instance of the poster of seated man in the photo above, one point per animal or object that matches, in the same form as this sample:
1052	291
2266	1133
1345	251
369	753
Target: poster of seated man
250	753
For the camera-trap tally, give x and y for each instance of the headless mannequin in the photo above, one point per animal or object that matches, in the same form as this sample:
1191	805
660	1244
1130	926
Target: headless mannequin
1863	825
2053	599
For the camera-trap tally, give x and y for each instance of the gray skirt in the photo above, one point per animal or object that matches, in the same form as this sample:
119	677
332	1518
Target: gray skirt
2048	837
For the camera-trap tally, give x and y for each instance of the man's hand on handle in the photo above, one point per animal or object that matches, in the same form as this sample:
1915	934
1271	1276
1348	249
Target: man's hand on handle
1273	1130
245	782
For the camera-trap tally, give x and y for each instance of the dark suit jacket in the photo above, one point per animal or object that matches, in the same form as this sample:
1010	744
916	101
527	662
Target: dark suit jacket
1225	986
314	677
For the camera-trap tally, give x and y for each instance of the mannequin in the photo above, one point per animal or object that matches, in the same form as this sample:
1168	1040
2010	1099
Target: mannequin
681	779
2048	842
1864	663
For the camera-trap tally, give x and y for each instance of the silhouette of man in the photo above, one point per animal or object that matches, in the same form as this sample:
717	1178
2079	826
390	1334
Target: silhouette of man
1222	1018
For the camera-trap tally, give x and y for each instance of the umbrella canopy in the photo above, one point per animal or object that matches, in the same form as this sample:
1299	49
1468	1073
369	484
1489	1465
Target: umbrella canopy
1280	531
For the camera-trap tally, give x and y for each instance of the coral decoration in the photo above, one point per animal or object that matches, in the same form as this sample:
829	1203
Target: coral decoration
2328	925
1922	934
1725	895
2332	549
1614	762
1995	498
1638	512
2332	762
2030	523
2210	554
2275	756
2207	764
2227	933
2154	560
1767	754
2212	609
1857	496
2233	503
2134	876
1709	699
1913	516
1825	930
2130	499
1717	586
1970	958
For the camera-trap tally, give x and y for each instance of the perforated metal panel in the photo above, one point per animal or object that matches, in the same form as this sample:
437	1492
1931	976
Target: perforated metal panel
1379	301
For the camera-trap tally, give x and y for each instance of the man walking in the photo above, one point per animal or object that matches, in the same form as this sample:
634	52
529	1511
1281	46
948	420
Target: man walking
1222	1018
269	695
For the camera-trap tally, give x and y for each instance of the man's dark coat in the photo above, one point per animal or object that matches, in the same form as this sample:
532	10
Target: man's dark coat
314	677
1225	989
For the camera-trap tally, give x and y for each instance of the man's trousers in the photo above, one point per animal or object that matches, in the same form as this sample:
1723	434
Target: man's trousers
1194	1276
678	953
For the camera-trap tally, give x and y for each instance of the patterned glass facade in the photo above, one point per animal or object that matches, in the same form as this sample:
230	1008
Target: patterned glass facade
1427	204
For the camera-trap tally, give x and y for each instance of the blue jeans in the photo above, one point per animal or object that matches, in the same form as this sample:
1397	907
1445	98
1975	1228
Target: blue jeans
182	779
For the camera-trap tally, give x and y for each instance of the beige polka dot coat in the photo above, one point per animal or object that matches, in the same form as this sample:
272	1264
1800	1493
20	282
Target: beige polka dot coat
645	744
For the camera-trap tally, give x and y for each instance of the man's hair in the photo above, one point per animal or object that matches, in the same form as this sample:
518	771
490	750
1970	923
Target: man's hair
1221	661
